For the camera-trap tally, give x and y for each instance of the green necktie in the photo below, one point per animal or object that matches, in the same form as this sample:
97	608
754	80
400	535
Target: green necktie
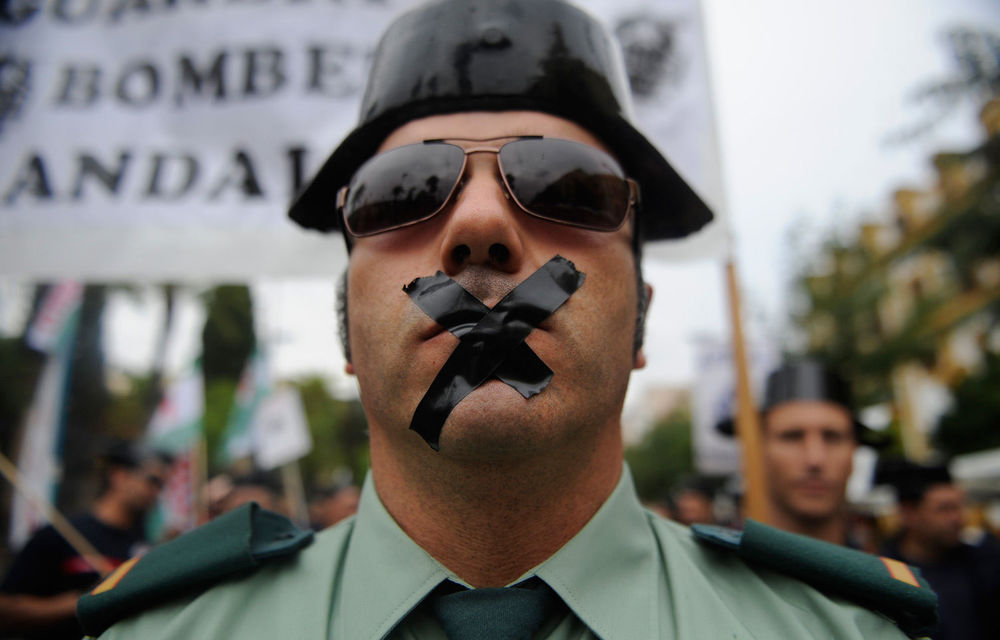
509	613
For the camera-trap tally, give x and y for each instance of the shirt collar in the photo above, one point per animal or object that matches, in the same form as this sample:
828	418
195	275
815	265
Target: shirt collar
376	594
606	571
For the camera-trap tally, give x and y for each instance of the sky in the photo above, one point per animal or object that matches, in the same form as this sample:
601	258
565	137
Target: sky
807	97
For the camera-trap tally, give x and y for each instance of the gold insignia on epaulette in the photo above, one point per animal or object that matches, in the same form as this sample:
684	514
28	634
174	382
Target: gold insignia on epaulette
115	577
900	571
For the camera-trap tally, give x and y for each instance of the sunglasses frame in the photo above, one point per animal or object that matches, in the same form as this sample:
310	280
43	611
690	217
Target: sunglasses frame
633	187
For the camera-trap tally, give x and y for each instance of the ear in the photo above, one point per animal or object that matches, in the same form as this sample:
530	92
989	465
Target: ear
349	368
640	357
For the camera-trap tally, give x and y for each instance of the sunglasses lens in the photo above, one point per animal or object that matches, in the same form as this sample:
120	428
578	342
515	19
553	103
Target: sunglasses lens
567	182
401	186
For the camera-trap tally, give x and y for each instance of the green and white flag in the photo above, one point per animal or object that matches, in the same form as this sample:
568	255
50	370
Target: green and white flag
179	418
177	426
238	439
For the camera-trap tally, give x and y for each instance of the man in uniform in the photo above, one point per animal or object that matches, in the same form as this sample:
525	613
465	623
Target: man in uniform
809	439
493	198
809	435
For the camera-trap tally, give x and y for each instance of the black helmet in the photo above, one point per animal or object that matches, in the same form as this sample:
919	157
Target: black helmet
491	55
911	480
812	380
805	380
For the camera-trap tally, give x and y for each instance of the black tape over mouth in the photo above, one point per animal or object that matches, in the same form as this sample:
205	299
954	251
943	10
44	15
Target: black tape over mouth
491	341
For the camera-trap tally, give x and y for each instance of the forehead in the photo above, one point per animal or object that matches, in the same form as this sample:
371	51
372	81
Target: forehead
489	124
151	465
816	414
943	493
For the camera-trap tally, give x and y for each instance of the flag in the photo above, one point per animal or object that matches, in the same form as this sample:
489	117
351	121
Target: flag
238	437
281	433
177	423
177	427
53	331
58	309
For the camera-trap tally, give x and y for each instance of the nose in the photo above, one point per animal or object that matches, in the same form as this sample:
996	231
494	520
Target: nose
814	451
482	227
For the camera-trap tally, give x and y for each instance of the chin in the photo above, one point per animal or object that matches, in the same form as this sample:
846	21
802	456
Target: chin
816	512
495	423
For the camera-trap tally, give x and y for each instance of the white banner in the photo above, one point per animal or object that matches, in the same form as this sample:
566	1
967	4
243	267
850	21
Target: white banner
715	400
154	139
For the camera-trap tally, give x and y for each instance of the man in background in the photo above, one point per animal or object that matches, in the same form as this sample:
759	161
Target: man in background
692	502
257	486
38	595
809	436
966	577
332	504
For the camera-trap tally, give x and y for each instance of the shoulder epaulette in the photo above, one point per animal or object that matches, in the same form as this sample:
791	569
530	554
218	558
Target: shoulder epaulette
234	542
887	586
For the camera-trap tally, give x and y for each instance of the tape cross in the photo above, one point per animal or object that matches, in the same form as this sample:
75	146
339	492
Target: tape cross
491	341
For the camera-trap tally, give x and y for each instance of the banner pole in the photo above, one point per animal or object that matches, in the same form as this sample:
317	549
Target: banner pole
747	418
80	544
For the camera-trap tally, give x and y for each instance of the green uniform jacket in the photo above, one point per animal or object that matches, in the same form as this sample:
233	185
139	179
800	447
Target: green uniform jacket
627	575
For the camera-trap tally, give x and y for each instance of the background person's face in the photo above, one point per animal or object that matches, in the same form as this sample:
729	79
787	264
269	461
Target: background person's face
693	508
937	520
142	486
808	451
397	349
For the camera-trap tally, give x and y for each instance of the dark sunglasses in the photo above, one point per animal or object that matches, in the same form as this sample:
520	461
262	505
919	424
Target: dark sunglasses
557	180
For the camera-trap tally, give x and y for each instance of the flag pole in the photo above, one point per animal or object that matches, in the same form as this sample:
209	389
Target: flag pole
81	545
199	478
747	418
295	493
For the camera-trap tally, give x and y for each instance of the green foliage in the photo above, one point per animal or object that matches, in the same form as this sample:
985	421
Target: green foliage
339	431
219	396
128	411
973	423
841	319
971	233
662	457
228	337
86	404
19	369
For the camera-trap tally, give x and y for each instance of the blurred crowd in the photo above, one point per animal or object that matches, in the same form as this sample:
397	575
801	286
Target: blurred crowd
809	437
931	525
60	562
